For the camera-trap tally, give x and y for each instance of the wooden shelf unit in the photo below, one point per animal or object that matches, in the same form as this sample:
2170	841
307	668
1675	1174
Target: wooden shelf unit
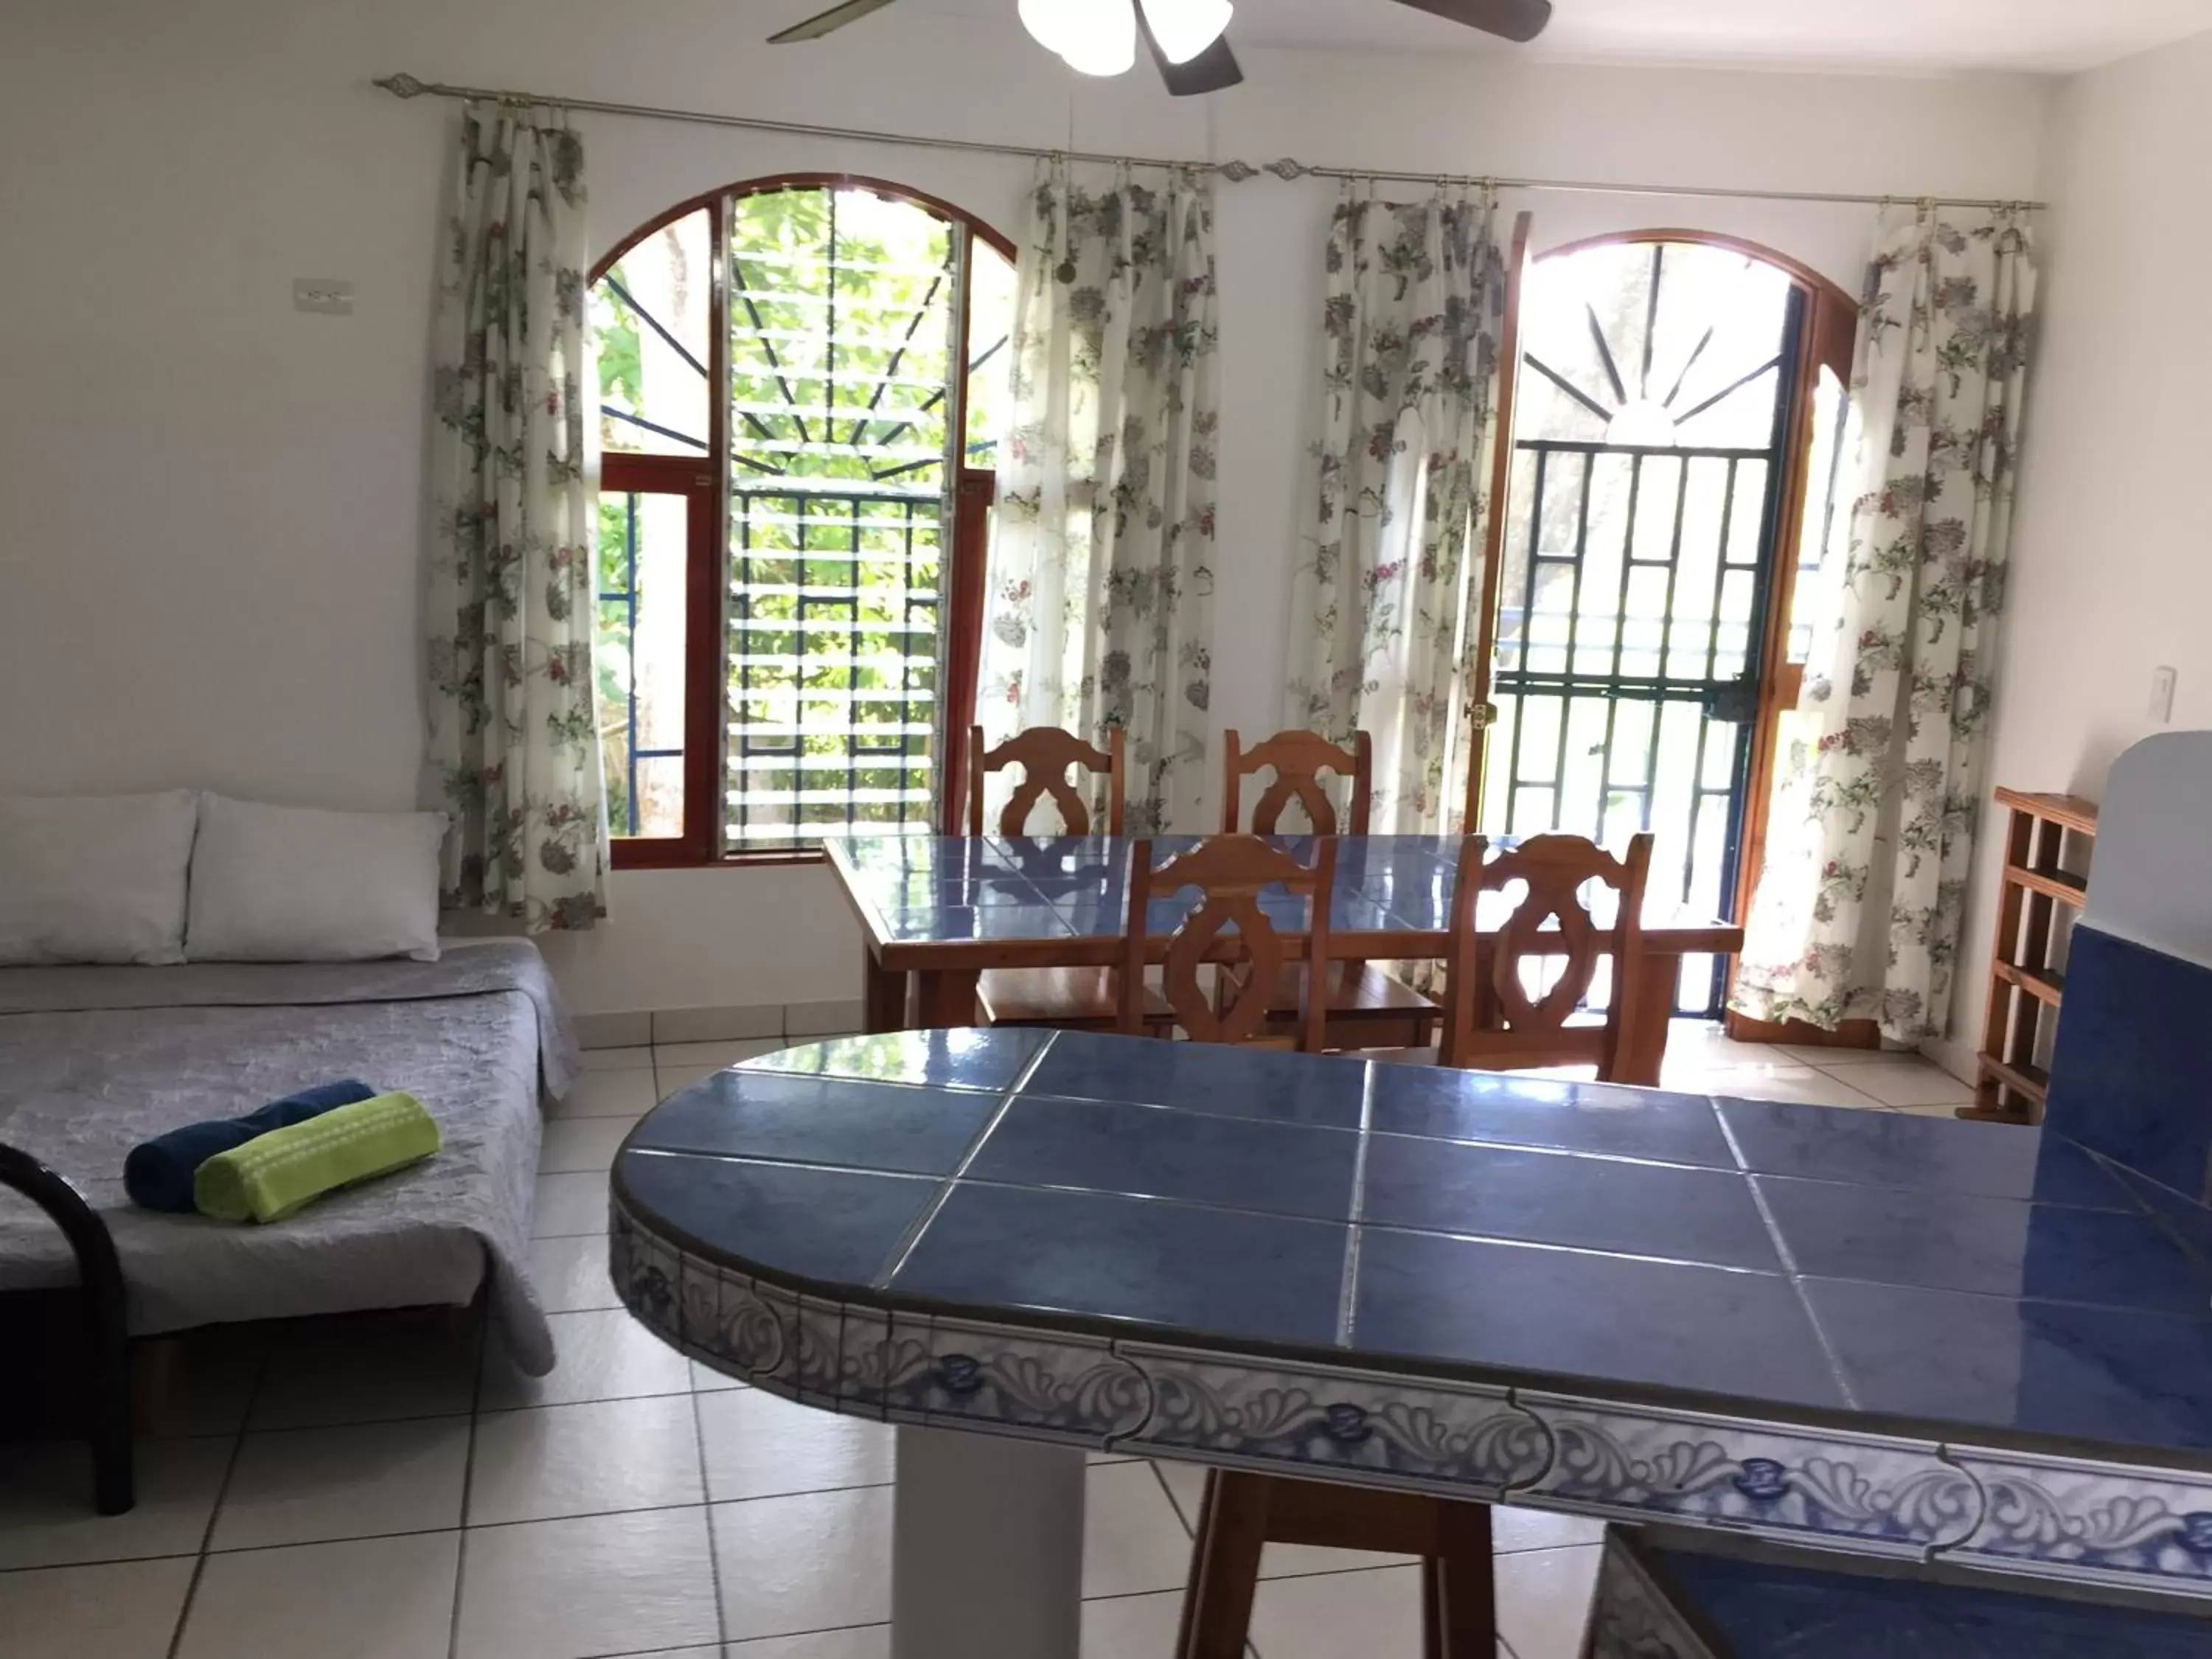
2025	989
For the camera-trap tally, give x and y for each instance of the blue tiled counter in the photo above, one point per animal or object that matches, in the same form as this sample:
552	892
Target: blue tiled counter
1665	1594
1893	1336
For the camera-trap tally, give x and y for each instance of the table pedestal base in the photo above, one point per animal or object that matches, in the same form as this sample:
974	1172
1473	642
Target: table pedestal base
986	1547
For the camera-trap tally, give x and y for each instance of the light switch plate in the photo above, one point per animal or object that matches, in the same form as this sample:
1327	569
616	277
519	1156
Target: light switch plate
2161	694
330	296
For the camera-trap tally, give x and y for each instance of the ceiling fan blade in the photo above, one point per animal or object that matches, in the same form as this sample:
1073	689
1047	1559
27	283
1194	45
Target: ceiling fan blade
822	23
1210	71
1515	20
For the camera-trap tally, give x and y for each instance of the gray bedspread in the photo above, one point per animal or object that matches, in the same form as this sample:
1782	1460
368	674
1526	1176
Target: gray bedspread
95	1060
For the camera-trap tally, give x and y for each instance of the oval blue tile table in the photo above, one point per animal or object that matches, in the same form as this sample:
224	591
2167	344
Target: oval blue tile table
1902	1336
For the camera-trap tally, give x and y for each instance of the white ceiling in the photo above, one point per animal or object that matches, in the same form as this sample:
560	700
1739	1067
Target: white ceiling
2044	36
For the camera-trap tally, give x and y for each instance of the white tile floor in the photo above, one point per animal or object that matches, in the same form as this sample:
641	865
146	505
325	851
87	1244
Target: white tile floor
386	1487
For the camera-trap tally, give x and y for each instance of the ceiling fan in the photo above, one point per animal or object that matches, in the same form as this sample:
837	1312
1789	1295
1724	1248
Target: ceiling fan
1185	37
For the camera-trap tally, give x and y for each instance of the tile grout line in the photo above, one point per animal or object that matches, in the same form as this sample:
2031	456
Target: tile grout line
1788	1265
1190	1532
904	1247
1174	1509
1348	1292
714	1538
1292	1218
214	1509
2161	1221
602	1514
468	1490
882	1625
1265	1125
1842	1074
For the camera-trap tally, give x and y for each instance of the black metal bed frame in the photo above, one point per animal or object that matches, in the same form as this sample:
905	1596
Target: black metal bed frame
99	1283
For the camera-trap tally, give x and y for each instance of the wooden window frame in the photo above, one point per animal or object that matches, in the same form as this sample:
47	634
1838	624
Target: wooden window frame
704	483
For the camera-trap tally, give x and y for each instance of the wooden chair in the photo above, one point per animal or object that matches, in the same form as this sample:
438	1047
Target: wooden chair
1230	871
1490	1019
1366	1007
1044	753
1298	760
1085	999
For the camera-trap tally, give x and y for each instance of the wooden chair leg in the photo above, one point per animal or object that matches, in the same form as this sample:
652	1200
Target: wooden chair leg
1225	1567
1459	1602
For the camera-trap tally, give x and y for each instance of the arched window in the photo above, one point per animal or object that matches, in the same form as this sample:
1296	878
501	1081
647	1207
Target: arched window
799	380
1676	427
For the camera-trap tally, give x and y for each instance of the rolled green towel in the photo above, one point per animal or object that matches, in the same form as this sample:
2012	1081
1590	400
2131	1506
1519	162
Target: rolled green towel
273	1174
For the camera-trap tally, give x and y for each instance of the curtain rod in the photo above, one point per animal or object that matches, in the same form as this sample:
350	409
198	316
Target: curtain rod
1235	172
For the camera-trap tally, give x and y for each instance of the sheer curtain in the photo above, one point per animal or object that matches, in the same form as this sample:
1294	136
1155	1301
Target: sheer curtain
1101	588
513	749
1857	910
1393	498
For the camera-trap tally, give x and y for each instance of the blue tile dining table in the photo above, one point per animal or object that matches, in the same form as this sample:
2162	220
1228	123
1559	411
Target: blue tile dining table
940	909
1905	1337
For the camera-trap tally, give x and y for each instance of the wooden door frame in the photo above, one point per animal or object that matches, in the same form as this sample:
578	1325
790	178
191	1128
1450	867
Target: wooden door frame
1827	331
1828	335
1478	706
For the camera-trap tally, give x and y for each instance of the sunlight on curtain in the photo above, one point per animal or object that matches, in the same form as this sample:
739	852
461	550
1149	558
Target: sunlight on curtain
1869	847
1100	599
1393	494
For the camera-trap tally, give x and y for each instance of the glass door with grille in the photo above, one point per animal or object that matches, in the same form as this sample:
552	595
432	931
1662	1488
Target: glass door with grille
1654	418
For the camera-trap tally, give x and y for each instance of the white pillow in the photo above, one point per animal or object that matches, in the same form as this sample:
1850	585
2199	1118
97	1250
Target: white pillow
94	877
289	883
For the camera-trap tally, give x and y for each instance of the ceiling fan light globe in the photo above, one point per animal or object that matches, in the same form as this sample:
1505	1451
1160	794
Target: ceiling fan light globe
1184	28
1050	23
1100	36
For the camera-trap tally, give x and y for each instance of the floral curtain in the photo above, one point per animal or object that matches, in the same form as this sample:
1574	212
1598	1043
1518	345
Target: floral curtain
1101	591
1393	494
513	748
1857	910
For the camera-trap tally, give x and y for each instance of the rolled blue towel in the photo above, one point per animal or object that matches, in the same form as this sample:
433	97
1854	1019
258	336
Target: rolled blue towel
158	1174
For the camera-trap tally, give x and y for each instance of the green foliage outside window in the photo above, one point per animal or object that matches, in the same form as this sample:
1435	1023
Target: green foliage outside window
841	313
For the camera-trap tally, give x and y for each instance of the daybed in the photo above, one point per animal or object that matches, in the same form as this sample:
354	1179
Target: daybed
95	1058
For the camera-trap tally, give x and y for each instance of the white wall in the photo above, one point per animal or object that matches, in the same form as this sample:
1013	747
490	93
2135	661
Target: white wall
2148	886
214	502
2110	573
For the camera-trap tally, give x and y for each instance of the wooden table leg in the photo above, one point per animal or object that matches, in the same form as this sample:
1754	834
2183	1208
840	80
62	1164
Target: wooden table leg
882	995
1460	1593
1225	1567
1644	1044
946	998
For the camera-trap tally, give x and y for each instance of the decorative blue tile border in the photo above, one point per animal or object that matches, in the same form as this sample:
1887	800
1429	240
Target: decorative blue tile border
864	1341
2057	1517
714	1314
646	1271
1465	1439
1631	1617
1859	1491
973	1374
820	1326
2043	1516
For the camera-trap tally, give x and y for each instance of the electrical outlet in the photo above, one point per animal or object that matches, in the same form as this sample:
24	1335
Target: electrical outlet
2161	694
329	296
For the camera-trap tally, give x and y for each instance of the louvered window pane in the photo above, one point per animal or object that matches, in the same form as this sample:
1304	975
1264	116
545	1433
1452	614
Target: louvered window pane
841	330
